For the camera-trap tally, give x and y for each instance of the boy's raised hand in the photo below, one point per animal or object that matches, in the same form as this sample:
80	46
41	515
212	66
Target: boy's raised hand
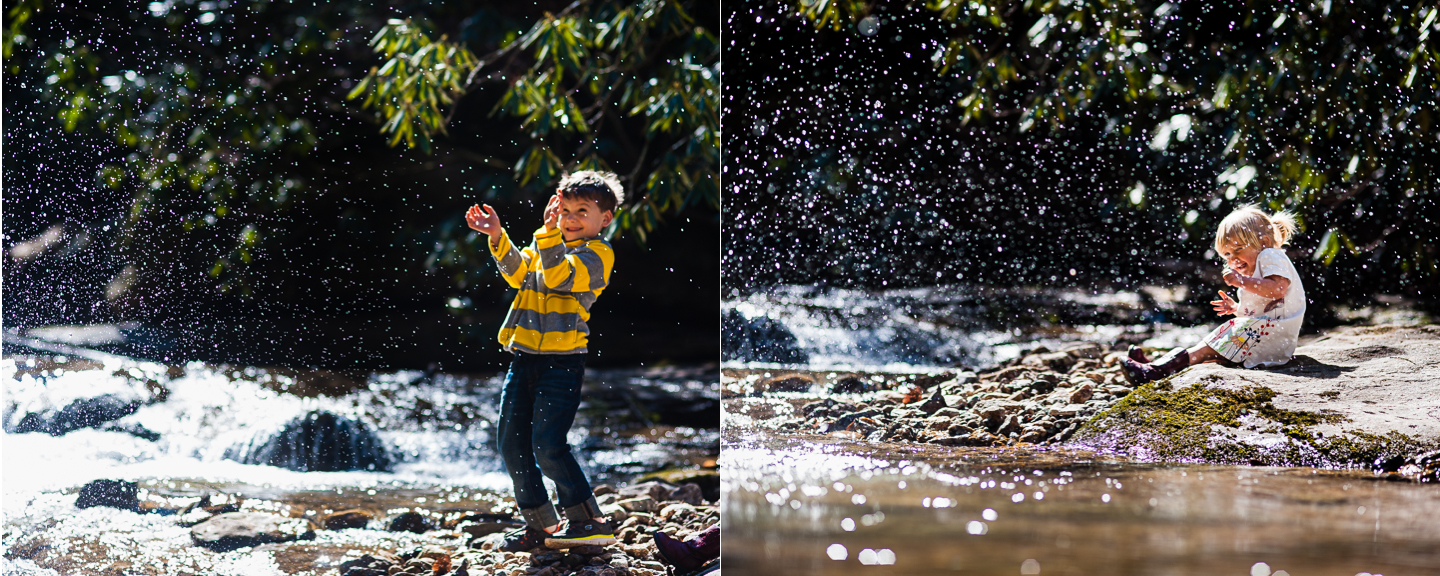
552	212
1224	305
484	221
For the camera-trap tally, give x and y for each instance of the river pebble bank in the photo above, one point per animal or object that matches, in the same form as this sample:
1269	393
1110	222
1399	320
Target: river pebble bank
1357	397
1042	397
151	533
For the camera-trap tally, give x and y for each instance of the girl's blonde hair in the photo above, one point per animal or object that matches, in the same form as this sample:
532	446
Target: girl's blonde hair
1248	226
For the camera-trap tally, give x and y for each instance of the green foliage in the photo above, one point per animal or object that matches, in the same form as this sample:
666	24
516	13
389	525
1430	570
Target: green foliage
219	120
203	140
571	80
418	77
15	18
1328	108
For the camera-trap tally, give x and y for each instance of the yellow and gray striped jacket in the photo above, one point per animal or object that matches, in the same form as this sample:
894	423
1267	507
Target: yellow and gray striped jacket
558	282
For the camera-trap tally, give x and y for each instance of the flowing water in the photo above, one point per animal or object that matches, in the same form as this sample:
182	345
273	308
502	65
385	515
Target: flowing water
193	422
804	503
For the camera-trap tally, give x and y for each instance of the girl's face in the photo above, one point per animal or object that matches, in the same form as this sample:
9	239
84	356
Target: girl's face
1240	258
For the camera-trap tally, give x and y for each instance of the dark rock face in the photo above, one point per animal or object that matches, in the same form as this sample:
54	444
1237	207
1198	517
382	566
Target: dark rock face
758	340
236	530
318	442
83	413
110	493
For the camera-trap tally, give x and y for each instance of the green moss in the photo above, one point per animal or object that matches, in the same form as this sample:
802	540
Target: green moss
1200	423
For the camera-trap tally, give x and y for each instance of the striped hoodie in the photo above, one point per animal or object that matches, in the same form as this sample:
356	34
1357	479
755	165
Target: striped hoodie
558	282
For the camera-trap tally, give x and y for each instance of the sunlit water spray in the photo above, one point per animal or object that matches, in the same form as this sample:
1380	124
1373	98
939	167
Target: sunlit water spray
923	328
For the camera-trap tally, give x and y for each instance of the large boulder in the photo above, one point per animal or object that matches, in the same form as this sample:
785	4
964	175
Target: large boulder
234	530
1355	397
319	441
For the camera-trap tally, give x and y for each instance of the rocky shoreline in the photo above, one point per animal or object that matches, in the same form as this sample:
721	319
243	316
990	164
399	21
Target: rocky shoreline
361	542
1357	397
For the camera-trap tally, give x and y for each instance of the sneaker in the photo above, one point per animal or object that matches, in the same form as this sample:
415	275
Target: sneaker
587	533
524	539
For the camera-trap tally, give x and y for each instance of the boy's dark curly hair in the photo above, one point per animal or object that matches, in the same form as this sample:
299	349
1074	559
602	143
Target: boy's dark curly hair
601	187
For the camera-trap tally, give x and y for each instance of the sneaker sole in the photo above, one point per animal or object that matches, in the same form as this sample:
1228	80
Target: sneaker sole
598	540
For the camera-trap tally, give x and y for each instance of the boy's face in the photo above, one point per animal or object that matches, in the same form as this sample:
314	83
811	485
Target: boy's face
1240	258
581	218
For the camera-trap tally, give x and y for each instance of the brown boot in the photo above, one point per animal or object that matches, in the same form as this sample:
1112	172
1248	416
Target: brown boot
1137	373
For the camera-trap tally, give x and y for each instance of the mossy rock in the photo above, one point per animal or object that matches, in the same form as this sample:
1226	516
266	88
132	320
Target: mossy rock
1354	398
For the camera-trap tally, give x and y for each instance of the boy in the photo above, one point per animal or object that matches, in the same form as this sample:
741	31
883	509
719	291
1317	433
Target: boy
558	276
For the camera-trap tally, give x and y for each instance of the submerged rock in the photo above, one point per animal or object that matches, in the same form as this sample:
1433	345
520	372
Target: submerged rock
318	442
1357	397
235	530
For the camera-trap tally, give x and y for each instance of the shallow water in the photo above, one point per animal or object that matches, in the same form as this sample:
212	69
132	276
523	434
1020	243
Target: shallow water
815	504
437	427
824	505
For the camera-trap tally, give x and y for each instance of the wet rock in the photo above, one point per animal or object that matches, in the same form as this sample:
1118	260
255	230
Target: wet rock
844	422
83	413
1082	394
934	403
759	339
344	519
850	385
419	566
207	506
1424	467
236	530
109	493
411	522
786	383
818	407
367	565
318	441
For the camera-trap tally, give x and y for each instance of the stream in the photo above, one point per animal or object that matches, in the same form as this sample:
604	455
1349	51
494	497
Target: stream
798	501
191	428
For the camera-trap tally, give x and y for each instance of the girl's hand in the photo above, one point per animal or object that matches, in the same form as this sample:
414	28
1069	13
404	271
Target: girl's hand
552	212
1224	305
484	221
1233	278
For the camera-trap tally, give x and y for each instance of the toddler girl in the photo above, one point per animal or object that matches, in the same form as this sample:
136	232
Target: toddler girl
1272	301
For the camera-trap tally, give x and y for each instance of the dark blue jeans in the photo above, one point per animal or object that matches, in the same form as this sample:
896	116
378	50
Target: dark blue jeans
537	407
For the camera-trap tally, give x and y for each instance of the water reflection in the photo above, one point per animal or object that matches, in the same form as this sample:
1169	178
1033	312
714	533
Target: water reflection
835	506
